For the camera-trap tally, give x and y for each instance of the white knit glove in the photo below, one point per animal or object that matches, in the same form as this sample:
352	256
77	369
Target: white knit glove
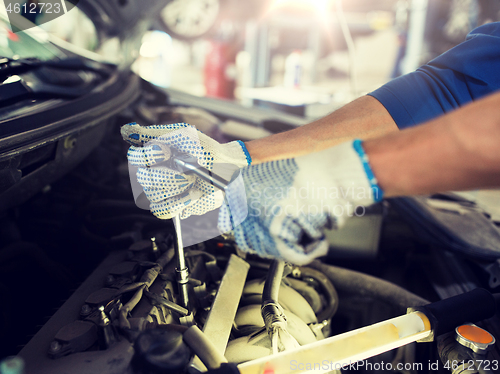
170	192
291	201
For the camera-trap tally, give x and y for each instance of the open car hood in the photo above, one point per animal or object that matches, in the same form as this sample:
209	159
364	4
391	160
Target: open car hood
120	17
115	18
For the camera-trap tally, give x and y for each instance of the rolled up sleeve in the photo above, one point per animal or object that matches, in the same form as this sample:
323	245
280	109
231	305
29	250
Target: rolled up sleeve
463	74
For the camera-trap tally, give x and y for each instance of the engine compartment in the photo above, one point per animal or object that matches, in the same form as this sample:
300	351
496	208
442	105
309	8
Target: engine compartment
99	336
111	321
83	240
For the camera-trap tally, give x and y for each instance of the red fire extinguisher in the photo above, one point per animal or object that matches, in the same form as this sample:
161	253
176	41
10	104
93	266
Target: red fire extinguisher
220	70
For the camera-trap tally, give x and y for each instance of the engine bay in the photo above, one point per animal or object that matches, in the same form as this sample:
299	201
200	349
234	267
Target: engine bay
90	284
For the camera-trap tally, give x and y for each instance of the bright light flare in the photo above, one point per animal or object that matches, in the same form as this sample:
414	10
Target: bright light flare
318	6
155	43
323	11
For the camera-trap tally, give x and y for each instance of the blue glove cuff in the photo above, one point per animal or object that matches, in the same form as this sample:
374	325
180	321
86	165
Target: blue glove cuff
378	193
245	151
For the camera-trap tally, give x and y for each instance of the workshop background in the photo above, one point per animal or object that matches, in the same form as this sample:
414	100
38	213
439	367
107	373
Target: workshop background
72	238
305	57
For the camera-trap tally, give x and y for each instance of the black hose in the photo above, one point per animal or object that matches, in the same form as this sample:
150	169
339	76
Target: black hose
360	284
273	282
166	257
272	313
459	359
332	302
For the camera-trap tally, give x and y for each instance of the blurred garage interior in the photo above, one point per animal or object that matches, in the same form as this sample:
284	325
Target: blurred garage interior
76	252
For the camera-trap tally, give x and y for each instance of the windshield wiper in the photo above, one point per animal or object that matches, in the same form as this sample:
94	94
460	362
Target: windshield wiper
10	67
31	78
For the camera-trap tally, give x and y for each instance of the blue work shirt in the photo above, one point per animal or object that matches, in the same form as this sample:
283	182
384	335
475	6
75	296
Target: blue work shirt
463	74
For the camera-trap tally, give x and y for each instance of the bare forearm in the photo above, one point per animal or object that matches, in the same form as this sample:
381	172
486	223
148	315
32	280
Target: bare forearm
458	151
363	118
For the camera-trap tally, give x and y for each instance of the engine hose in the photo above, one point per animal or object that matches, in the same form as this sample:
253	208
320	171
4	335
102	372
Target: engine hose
273	282
332	298
459	359
356	283
203	347
272	313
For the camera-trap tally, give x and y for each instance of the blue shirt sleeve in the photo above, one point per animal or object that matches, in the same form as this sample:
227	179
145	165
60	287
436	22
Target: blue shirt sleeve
465	73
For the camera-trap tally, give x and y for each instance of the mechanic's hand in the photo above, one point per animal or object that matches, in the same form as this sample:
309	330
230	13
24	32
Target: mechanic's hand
291	201
170	192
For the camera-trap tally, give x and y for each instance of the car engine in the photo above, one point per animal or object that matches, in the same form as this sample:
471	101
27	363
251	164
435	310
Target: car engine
90	283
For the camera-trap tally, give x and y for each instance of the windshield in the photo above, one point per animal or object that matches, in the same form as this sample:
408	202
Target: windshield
25	44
